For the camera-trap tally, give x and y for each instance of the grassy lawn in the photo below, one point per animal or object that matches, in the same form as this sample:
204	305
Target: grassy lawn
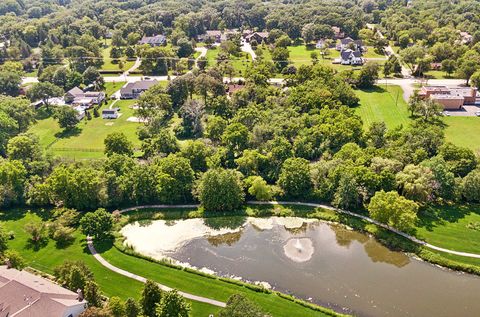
86	141
463	131
47	256
451	227
240	63
107	60
383	104
370	53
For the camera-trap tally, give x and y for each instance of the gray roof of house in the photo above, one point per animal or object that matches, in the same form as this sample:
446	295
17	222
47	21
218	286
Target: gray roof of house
346	40
75	91
138	85
345	54
153	40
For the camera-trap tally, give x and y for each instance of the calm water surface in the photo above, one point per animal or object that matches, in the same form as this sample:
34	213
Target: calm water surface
327	264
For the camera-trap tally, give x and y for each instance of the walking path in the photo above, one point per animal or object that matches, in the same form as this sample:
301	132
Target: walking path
203	53
135	66
141	279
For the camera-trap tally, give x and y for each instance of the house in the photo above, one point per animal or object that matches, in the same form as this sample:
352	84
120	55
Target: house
76	96
337	32
154	41
110	113
349	43
351	57
214	35
135	89
23	294
450	98
259	37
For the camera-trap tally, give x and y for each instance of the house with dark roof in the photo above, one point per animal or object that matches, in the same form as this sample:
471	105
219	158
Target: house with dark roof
337	32
351	57
349	43
23	294
259	37
135	89
157	40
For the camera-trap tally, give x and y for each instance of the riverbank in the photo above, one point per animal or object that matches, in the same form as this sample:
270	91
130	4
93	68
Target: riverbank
389	238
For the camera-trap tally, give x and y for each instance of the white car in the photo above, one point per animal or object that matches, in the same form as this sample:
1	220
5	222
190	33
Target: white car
477	113
446	113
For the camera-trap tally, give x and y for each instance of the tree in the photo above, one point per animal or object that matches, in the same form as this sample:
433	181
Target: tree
411	55
91	76
185	48
118	143
173	304
428	109
471	186
14	259
154	103
116	307
295	179
164	142
73	275
151	296
10	83
347	194
459	160
97	224
236	137
280	57
12	179
44	91
92	294
192	113
94	312
220	190
239	306
67	117
468	65
394	210
416	183
3	241
368	75
174	178
197	153
309	33
448	66
475	79
258	188
131	308
37	231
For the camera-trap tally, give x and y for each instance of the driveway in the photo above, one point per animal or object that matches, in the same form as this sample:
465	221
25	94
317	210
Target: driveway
247	48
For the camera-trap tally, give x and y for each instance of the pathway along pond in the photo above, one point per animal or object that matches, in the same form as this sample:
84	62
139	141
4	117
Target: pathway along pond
327	264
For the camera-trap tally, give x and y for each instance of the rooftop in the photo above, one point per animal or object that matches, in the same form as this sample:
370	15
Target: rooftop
23	294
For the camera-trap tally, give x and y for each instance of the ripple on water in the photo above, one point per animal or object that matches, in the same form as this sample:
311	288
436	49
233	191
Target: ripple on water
299	249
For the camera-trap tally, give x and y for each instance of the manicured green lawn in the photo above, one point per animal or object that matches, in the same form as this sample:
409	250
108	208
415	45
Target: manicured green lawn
370	53
240	63
49	255
107	60
463	131
86	141
451	227
383	103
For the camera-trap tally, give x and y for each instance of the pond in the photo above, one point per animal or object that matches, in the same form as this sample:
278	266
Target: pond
320	262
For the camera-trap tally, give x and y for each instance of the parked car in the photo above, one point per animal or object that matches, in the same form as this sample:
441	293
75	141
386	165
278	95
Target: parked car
477	113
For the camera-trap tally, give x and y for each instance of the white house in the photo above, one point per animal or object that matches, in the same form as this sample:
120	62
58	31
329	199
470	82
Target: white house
350	57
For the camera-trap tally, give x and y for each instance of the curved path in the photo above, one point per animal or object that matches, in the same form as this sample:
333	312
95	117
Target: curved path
141	279
403	234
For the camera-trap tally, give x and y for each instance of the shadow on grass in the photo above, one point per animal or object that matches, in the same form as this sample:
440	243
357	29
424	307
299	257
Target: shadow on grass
36	245
13	214
434	216
68	133
101	246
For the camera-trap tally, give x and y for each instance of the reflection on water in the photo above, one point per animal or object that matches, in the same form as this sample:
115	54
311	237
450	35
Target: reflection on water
332	265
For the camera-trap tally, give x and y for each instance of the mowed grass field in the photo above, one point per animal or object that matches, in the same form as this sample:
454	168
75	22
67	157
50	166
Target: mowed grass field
463	131
47	256
240	63
108	64
87	139
452	227
383	104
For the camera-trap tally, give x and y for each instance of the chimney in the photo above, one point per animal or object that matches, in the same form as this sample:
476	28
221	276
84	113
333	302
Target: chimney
80	295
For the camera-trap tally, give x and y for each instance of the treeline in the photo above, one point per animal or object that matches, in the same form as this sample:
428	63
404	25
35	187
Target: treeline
302	143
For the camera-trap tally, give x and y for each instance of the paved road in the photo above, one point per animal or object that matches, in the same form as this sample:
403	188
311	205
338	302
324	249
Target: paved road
135	66
141	279
203	53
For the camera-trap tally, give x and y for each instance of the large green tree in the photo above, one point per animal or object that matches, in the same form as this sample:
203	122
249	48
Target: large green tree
295	179
393	209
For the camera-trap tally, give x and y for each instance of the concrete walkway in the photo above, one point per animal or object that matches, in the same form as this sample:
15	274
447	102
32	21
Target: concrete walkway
247	48
141	279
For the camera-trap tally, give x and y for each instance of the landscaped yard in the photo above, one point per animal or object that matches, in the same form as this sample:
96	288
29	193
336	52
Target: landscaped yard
240	63
384	104
49	255
108	65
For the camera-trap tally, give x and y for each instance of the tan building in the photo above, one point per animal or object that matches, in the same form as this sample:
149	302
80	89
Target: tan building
23	294
450	98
